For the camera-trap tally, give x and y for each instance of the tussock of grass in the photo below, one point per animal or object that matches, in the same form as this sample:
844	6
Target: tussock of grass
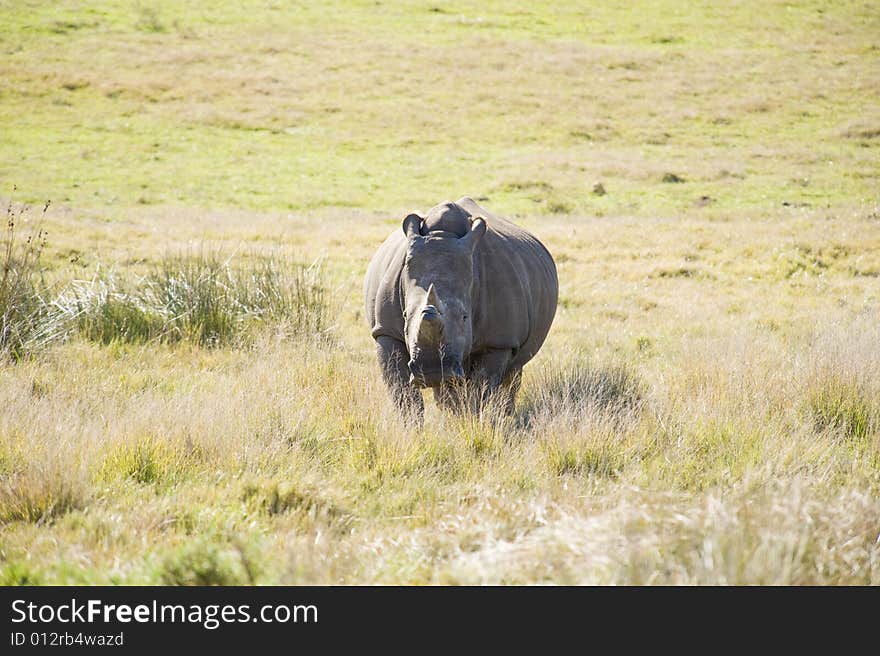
579	389
203	562
585	457
202	299
105	314
434	458
843	408
841	387
18	573
41	493
306	504
144	461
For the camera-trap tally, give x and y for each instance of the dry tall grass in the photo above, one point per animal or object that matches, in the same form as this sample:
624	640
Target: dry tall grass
286	463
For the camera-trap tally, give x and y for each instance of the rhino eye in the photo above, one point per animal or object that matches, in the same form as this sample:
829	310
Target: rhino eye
464	317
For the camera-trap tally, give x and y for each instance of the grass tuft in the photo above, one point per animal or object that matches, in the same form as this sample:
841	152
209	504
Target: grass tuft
580	389
203	563
841	407
19	573
282	498
40	493
105	314
146	461
601	459
201	299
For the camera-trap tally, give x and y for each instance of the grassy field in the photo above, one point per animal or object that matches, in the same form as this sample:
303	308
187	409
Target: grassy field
706	409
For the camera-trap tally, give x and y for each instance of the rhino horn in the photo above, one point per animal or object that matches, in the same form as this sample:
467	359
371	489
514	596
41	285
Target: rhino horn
432	296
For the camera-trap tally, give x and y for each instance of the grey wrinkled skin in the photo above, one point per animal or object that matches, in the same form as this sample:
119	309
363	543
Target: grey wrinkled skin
458	300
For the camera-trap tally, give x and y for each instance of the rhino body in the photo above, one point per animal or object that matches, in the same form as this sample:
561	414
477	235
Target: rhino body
458	300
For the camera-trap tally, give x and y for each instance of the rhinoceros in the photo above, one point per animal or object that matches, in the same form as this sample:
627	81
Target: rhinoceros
458	300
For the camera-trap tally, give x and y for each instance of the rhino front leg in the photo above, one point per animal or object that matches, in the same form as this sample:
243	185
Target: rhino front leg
393	358
452	398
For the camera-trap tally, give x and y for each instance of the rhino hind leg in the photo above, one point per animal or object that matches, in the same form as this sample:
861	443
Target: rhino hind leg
393	358
511	384
490	385
500	399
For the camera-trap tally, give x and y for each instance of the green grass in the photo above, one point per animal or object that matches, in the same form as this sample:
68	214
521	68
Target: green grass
844	407
202	298
704	410
529	104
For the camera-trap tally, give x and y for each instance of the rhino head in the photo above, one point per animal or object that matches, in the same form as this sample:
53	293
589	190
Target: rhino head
437	285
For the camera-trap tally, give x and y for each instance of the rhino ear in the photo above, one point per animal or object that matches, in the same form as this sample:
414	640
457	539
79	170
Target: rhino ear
412	225
478	229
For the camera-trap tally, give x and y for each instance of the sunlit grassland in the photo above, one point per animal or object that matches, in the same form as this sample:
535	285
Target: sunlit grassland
381	105
705	410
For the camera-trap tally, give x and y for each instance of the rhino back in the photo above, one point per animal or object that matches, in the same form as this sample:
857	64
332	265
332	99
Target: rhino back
517	288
